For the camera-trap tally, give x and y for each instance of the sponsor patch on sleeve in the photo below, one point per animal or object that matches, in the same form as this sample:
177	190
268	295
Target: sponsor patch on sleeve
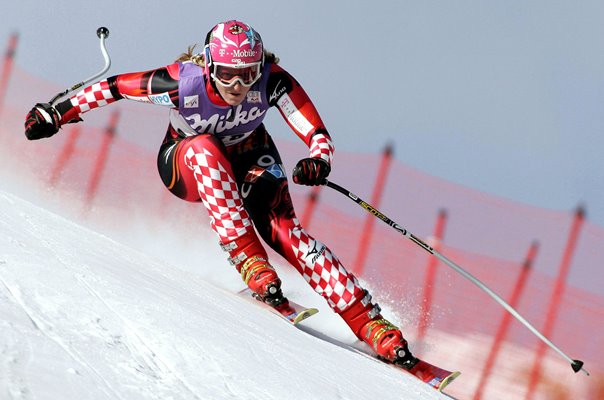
142	99
293	115
163	99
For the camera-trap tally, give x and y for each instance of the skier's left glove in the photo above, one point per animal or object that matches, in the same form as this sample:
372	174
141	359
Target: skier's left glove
42	121
311	171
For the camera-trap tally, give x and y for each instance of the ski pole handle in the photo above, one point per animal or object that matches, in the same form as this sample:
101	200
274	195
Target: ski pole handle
577	365
102	33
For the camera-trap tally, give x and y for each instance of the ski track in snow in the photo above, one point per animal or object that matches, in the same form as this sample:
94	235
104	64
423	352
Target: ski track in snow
150	362
46	329
12	356
37	317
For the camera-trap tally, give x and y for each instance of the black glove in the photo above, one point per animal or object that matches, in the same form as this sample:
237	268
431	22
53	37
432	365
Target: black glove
42	121
311	171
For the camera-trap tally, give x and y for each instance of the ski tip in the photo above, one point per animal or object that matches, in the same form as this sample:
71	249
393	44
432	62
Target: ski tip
309	312
445	382
577	365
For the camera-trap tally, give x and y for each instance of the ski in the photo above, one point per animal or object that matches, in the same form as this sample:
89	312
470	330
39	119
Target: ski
436	377
293	312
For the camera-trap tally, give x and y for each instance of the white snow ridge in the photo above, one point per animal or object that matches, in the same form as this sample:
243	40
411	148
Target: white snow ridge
84	317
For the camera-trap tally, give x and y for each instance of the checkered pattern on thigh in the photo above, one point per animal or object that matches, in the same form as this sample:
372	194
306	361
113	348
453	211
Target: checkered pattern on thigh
217	188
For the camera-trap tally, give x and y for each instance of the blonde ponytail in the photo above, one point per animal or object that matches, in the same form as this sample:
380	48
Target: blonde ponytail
191	55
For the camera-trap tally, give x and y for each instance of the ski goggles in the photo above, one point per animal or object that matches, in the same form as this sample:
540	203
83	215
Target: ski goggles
229	75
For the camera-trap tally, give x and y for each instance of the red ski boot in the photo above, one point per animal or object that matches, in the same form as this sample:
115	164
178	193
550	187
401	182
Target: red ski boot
385	339
250	259
262	278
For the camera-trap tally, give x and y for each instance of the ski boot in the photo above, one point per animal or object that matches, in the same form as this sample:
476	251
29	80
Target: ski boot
262	279
250	259
386	340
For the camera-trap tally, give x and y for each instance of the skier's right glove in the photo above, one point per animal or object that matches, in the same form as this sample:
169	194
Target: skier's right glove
42	121
311	171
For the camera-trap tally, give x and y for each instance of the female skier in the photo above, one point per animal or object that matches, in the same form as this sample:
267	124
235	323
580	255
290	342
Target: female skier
217	151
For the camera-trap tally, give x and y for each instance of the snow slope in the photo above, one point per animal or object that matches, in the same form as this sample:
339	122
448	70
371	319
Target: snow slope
85	317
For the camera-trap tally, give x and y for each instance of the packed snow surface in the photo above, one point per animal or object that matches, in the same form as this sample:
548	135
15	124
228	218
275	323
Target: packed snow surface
85	317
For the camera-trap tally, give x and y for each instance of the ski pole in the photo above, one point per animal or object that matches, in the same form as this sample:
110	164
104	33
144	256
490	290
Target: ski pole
577	365
102	33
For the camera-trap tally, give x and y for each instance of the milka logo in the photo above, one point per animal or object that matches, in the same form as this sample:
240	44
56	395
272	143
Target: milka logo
276	93
218	123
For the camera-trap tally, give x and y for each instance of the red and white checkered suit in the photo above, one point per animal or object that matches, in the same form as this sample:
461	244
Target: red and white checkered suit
208	167
322	147
323	271
217	188
96	95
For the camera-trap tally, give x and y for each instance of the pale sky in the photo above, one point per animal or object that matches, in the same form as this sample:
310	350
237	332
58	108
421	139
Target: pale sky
505	97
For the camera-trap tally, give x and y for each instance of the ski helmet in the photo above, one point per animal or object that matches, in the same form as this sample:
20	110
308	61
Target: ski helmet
234	52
